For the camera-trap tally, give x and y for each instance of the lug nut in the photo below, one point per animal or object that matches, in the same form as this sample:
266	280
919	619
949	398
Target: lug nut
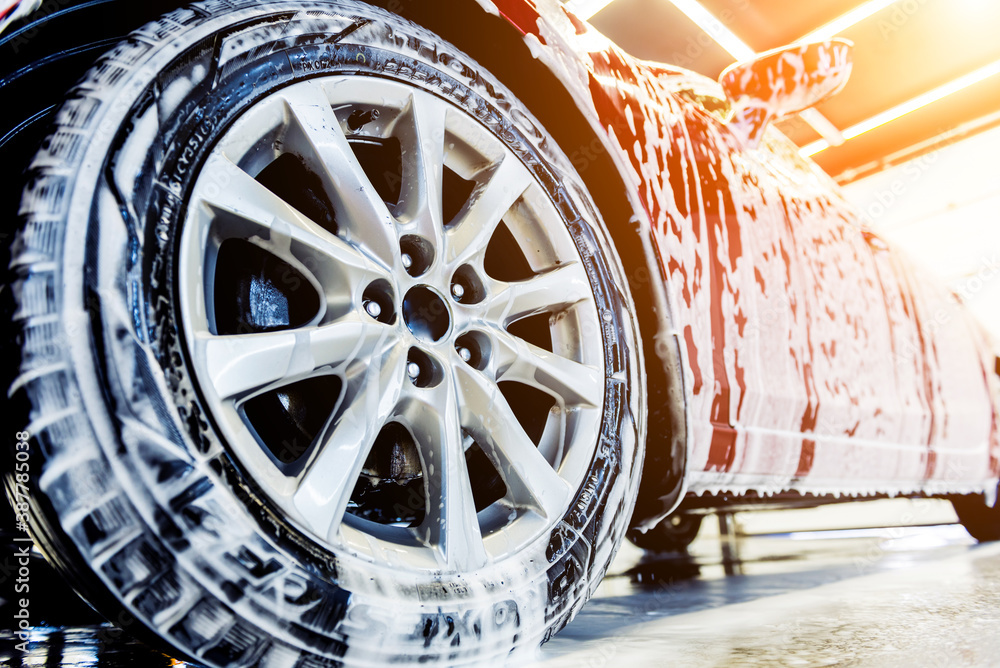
474	349
467	286
377	302
422	369
415	254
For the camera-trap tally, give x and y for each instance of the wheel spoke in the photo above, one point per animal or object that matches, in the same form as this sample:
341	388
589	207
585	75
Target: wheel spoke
451	523
240	364
421	133
325	486
552	441
487	416
359	209
575	383
549	292
273	219
475	224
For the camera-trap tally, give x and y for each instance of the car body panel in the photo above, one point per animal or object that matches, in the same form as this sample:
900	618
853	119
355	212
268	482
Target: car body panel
814	358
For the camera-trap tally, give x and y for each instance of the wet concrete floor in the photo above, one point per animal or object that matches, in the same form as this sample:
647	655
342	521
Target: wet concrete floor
925	596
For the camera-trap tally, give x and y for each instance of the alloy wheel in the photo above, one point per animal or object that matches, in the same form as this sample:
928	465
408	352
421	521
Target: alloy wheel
390	324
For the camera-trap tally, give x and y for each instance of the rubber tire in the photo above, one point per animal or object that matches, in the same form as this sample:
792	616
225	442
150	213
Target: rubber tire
132	494
666	537
980	520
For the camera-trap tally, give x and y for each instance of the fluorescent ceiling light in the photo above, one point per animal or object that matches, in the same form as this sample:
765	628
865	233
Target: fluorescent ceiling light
853	17
908	107
713	27
586	8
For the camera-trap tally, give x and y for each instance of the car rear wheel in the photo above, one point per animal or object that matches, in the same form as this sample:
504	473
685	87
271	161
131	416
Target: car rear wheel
981	520
328	353
673	534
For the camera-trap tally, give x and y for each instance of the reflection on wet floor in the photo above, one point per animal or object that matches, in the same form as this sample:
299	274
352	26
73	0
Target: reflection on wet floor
915	596
81	647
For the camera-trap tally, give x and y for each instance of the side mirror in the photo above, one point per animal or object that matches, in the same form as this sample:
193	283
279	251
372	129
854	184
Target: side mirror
783	82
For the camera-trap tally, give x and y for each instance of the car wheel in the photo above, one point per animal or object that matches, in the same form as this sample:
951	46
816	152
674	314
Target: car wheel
673	534
982	521
327	351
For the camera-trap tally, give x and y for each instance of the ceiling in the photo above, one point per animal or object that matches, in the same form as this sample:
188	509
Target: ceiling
904	50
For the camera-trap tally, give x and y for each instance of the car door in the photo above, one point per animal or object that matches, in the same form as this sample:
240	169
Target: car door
938	352
917	403
780	306
824	321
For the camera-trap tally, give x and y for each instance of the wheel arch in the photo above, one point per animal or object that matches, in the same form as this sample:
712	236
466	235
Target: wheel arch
500	48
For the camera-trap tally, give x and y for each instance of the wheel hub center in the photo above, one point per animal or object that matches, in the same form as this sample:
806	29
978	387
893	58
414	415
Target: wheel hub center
426	313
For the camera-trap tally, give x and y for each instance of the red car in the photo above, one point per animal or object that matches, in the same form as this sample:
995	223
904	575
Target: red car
354	334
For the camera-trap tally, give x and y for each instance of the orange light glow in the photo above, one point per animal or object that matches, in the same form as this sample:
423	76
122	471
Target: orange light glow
714	28
587	8
851	18
908	107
